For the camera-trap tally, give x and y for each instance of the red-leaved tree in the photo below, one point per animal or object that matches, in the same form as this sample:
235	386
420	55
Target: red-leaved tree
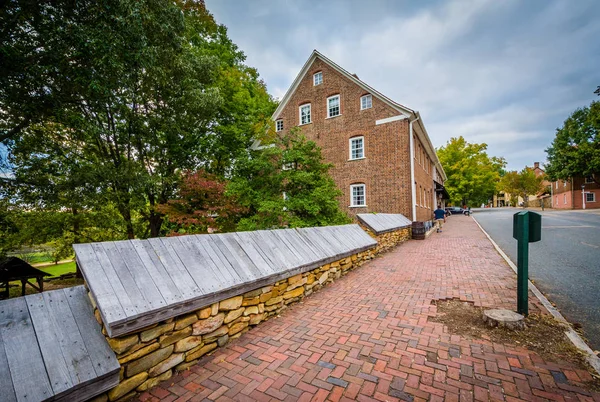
201	205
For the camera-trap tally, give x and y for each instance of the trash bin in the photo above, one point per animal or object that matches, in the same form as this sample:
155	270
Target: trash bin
418	230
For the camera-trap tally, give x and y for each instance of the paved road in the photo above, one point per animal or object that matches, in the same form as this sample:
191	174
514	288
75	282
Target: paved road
565	265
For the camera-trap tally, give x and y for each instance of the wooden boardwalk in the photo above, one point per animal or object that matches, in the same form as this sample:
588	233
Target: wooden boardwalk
382	223
52	349
136	283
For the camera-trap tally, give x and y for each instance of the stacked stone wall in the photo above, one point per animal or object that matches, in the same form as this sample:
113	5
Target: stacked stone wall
389	240
153	354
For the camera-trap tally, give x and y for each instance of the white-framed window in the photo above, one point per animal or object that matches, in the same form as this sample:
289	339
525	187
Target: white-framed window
333	106
556	184
288	166
305	114
564	183
366	102
589	179
590	197
358	197
318	78
357	148
279	125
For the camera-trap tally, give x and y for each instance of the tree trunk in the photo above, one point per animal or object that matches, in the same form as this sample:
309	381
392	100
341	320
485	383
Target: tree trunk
126	214
155	223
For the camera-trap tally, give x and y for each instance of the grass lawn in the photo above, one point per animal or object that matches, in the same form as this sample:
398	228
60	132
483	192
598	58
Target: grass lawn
59	269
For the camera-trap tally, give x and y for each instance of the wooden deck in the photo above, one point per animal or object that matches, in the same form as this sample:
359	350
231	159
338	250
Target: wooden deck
136	283
382	223
52	349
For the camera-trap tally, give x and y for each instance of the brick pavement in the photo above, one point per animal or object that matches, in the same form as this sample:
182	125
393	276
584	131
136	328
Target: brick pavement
367	337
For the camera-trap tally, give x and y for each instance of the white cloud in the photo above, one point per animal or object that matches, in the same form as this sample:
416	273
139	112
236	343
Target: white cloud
502	72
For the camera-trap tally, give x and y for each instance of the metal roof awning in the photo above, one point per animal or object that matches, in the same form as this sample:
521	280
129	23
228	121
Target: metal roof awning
440	189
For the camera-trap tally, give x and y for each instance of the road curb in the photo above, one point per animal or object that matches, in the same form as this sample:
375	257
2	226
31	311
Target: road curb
579	343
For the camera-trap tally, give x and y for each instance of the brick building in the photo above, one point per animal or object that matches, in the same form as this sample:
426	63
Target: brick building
575	193
383	160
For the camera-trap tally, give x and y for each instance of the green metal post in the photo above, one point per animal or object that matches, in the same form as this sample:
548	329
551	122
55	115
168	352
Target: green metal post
523	263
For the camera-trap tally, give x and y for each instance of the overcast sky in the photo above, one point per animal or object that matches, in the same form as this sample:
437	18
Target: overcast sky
506	73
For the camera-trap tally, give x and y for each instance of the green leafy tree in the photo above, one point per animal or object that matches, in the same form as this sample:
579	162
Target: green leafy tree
152	89
286	184
472	174
575	150
523	183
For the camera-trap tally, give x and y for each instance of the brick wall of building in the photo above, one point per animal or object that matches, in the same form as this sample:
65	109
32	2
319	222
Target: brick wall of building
567	195
385	170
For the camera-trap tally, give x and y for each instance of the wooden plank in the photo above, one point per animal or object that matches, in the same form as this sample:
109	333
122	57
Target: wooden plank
175	268
224	269
277	245
198	264
319	252
102	356
283	237
230	241
125	277
110	308
49	334
305	250
7	389
268	251
329	244
345	237
142	278
226	254
307	237
27	369
255	254
69	342
157	271
130	307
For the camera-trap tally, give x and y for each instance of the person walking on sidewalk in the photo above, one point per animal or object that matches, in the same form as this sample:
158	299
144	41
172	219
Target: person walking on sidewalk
440	217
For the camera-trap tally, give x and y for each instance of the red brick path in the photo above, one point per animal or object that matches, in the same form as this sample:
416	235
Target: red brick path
367	337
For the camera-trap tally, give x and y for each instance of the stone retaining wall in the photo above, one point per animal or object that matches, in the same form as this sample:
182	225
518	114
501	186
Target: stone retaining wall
389	240
152	354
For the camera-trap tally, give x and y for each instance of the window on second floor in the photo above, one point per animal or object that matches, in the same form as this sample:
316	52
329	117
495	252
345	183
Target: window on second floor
333	106
305	114
366	102
279	125
589	179
318	78
357	148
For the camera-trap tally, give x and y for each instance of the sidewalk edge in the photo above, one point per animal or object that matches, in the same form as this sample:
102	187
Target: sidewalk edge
579	343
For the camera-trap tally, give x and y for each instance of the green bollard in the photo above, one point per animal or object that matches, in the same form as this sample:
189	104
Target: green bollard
527	227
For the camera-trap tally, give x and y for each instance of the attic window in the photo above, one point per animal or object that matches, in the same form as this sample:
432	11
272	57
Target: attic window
279	125
318	78
366	102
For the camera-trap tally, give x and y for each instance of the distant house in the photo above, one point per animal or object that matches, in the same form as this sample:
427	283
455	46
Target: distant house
383	159
576	193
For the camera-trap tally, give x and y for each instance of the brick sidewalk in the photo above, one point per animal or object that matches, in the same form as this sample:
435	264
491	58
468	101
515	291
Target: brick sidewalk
367	337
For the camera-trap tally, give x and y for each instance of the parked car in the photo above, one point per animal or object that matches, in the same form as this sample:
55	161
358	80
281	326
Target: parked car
457	211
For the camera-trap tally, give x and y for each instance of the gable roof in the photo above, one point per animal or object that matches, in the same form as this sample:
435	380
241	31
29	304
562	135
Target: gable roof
351	77
410	114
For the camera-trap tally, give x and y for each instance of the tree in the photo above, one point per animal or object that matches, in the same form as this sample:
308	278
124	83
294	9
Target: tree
472	174
286	185
150	90
575	150
200	204
521	184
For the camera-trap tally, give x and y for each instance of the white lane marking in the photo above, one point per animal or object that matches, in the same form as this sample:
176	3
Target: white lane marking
591	245
567	227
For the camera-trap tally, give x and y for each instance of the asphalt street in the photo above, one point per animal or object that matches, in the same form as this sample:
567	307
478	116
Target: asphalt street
564	265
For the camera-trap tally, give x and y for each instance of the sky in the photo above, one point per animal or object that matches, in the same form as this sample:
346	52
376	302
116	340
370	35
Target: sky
505	73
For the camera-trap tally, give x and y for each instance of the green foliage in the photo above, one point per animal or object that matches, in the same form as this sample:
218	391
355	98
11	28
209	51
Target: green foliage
472	174
286	185
575	150
521	183
104	104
